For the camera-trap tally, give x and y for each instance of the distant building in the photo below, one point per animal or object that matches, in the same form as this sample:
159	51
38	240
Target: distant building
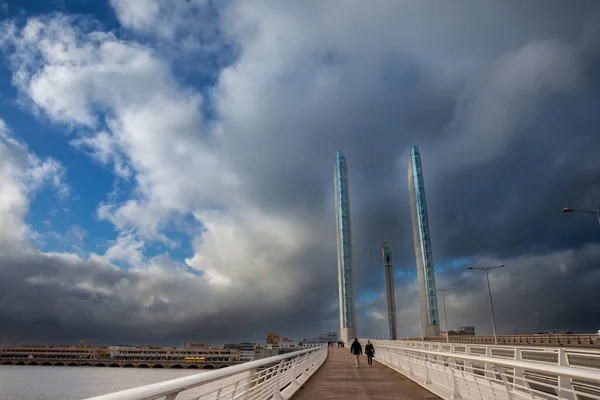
247	351
260	352
306	343
469	330
151	353
280	348
328	337
188	344
320	340
462	331
287	347
272	338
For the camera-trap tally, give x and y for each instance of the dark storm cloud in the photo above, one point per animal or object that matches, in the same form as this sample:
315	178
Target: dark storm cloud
68	300
506	144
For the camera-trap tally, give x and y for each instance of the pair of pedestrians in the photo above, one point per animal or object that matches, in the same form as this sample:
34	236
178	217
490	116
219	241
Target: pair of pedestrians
356	350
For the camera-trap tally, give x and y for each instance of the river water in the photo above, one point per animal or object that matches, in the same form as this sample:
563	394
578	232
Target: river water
23	382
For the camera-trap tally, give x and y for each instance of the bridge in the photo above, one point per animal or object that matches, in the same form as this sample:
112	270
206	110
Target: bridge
402	370
112	363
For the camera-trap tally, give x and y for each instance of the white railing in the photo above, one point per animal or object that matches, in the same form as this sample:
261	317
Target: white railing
574	340
271	378
459	371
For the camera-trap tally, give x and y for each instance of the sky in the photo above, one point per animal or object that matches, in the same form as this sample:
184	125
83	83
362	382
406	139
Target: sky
166	166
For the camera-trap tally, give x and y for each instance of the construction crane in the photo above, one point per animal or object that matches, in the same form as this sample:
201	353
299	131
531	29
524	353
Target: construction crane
86	341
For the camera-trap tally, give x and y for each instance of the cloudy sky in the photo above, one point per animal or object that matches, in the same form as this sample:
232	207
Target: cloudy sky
166	166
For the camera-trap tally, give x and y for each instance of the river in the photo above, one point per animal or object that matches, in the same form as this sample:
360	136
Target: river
23	382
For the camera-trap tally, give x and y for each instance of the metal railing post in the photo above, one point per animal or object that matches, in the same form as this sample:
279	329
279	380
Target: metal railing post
425	362
519	377
455	393
565	384
489	369
277	394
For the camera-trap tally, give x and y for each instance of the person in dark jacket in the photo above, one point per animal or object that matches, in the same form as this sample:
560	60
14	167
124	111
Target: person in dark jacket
370	352
356	350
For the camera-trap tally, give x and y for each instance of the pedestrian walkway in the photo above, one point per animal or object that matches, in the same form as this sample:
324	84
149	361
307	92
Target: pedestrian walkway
339	379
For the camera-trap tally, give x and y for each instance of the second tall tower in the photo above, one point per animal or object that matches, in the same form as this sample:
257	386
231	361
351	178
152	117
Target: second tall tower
430	325
344	250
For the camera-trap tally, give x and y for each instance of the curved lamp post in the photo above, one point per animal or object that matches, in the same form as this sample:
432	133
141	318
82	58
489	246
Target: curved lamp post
487	276
445	314
596	211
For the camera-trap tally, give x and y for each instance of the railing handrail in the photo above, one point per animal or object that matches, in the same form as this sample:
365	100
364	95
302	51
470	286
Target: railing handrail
503	336
161	389
572	372
547	348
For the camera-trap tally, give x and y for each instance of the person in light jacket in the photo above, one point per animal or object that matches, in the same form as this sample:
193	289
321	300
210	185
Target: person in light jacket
370	352
356	350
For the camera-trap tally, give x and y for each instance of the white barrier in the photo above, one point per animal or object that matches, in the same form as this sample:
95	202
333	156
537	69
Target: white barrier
275	377
569	340
480	372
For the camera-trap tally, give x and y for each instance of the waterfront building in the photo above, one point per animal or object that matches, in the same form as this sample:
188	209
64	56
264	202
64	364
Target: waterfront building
320	340
420	222
247	351
327	337
188	344
344	249
468	330
309	343
280	348
149	353
389	289
272	338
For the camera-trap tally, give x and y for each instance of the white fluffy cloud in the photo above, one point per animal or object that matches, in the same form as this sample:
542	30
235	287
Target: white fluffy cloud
22	174
129	110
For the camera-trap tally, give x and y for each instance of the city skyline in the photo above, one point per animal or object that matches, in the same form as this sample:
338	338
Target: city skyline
165	172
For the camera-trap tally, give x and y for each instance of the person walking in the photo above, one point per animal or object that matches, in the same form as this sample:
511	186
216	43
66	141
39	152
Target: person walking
370	352
356	350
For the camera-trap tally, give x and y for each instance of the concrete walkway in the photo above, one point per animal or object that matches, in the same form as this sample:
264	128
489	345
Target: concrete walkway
339	379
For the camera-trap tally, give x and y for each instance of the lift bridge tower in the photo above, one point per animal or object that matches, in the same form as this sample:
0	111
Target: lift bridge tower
430	325
389	289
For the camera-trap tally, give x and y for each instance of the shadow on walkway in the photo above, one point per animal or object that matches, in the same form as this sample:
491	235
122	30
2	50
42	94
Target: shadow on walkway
339	379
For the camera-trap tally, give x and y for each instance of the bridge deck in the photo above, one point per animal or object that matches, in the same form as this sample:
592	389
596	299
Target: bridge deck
339	379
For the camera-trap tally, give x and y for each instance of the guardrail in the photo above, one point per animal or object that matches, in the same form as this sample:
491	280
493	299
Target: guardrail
275	377
569	340
479	372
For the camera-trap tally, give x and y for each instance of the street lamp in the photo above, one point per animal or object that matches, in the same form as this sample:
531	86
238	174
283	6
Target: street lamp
446	315
487	276
596	211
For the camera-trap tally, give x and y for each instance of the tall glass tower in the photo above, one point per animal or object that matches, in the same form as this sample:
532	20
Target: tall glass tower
344	250
388	270
420	221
